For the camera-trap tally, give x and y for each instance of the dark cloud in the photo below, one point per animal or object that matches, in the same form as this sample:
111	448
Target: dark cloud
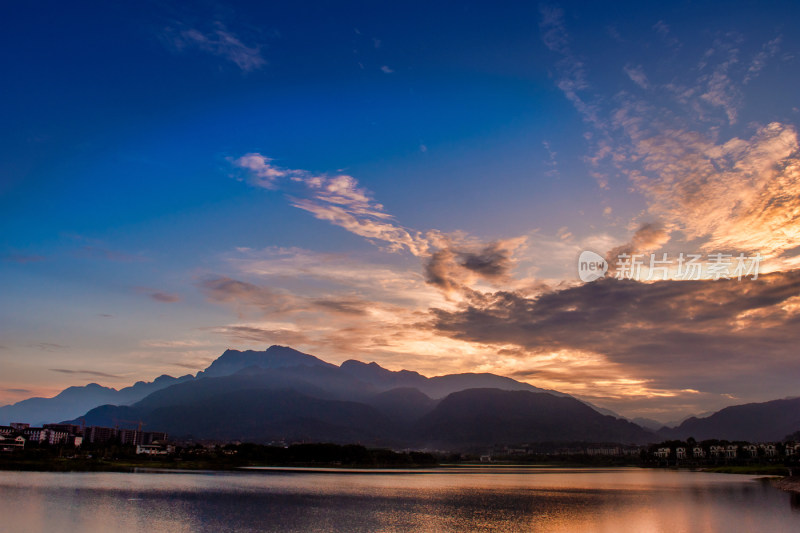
342	306
453	267
440	271
261	335
245	295
274	302
85	373
717	336
18	391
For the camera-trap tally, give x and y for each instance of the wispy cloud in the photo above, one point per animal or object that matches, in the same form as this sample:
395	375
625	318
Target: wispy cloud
719	89
759	61
23	258
218	41
665	32
571	68
93	373
687	178
637	76
260	335
551	162
18	391
337	199
49	346
97	251
172	344
158	296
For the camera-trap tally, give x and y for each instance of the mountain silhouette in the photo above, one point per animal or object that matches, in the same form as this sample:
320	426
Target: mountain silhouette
74	401
767	421
482	417
285	395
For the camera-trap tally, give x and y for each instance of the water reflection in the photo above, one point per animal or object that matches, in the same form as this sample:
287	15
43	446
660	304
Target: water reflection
477	500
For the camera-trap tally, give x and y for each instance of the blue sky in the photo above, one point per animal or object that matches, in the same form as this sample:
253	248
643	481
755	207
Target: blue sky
138	239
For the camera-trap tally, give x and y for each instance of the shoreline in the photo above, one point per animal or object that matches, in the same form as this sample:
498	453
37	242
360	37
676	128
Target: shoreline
788	483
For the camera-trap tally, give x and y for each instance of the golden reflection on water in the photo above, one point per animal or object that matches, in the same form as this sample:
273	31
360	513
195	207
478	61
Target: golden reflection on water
558	500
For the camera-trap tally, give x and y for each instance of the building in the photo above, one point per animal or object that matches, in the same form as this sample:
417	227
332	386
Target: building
731	451
154	449
680	452
612	451
72	429
149	437
717	451
130	436
51	436
769	450
698	452
663	452
751	449
9	443
99	435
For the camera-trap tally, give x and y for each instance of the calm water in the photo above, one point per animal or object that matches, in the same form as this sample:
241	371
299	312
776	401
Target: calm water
480	499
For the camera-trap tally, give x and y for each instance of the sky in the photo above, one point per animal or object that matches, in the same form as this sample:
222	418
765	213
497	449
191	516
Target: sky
410	184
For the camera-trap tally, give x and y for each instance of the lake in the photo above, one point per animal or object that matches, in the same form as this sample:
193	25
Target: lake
477	499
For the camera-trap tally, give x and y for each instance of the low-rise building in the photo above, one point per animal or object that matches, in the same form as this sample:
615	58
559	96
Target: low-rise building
608	450
663	452
769	450
153	449
11	443
731	451
698	452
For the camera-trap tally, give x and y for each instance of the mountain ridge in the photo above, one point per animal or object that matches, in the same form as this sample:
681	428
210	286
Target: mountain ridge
74	401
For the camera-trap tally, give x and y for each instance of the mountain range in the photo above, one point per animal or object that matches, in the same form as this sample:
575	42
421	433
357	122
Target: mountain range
74	401
767	421
281	394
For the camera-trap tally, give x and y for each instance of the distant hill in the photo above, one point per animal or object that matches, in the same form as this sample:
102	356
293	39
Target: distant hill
283	394
232	361
325	402
435	387
369	378
648	423
768	421
482	417
74	401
